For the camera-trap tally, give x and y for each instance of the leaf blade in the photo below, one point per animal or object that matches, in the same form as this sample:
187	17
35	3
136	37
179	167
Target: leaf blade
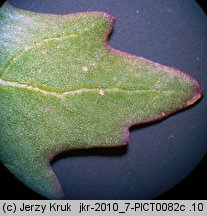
79	95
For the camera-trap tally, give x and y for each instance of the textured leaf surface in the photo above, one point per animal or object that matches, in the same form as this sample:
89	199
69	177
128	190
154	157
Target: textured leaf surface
63	87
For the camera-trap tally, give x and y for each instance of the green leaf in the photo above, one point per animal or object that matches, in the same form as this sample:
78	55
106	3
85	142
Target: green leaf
63	87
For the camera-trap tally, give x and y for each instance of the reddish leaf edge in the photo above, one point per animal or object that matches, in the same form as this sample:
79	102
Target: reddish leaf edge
195	97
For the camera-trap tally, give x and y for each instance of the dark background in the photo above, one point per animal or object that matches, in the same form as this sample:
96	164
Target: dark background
192	187
161	155
202	4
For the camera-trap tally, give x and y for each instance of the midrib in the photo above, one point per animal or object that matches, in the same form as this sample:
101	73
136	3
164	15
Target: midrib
101	91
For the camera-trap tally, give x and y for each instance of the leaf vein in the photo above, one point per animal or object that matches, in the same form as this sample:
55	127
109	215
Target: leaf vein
36	44
101	91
